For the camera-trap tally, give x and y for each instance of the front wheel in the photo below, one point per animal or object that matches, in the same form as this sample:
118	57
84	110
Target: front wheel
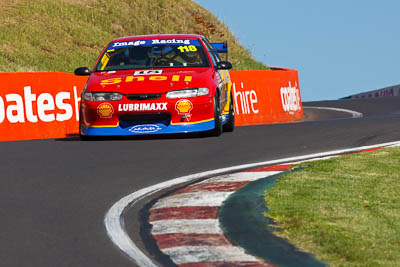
229	126
217	117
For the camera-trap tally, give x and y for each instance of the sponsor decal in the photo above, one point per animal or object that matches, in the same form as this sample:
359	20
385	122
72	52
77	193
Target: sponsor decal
290	97
173	41
154	42
147	72
125	44
105	110
45	107
143	107
151	128
248	101
184	107
105	73
385	92
129	79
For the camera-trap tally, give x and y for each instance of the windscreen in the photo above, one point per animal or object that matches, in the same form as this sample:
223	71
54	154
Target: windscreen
156	53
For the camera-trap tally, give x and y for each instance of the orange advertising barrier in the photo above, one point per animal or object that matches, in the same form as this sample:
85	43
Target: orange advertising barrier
39	105
46	105
266	96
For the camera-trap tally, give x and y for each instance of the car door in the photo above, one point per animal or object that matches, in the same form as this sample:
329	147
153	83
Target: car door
224	82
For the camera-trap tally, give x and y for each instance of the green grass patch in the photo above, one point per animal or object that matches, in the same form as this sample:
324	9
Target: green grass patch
60	35
344	210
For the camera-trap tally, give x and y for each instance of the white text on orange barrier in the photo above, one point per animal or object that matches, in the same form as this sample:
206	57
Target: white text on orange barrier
248	101
18	109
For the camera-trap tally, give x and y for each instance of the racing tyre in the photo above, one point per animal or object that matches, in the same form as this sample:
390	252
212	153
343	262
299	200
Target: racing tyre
229	126
217	117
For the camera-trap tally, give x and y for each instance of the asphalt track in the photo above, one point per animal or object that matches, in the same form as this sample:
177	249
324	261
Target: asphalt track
54	193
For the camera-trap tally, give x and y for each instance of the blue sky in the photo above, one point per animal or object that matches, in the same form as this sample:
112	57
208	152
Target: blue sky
339	47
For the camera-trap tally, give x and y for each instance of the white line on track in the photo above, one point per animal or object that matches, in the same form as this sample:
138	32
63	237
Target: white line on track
241	176
183	226
206	199
355	114
192	254
114	219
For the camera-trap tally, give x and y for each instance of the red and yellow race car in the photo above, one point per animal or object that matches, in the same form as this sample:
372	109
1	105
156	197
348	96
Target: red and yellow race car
157	84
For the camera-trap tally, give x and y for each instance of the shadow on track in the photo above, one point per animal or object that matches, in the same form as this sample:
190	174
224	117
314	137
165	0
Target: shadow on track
74	138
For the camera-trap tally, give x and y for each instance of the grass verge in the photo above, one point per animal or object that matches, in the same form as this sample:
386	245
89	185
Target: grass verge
60	35
344	210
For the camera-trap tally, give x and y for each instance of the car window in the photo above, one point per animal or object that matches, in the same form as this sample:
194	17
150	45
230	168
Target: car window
213	59
213	53
159	53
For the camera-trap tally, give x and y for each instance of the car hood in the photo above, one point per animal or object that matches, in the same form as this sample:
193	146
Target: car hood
149	81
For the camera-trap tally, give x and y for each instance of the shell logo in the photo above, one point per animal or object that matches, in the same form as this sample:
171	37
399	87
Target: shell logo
184	106
105	110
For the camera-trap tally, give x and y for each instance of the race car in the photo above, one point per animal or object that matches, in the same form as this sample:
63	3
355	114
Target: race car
157	84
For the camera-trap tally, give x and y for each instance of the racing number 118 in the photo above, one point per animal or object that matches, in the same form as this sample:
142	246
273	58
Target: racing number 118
185	48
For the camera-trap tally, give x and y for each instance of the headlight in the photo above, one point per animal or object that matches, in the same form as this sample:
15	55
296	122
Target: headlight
102	96
188	93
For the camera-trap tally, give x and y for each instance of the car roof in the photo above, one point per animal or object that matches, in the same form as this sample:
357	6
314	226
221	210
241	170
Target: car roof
158	36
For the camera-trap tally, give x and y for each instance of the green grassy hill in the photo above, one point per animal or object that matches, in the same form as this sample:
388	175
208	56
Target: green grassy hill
60	35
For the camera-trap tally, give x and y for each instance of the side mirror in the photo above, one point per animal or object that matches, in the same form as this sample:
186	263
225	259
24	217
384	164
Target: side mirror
82	71
224	65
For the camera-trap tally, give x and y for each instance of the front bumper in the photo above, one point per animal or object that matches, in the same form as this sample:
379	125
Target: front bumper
123	118
141	129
